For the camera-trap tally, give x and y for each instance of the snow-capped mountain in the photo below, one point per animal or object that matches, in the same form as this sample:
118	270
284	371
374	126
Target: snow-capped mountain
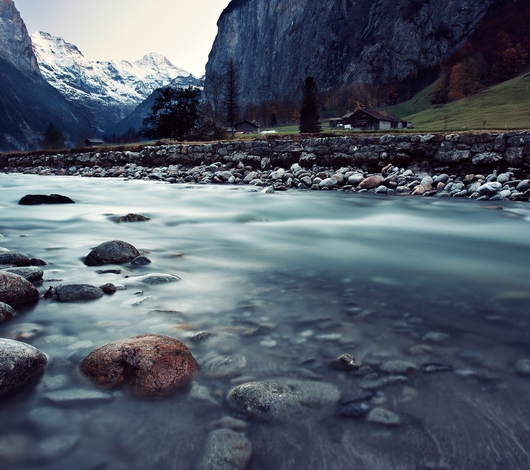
110	90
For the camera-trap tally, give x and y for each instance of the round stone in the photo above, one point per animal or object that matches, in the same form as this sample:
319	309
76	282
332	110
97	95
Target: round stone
153	365
19	364
76	292
226	450
112	252
31	274
383	416
6	312
14	289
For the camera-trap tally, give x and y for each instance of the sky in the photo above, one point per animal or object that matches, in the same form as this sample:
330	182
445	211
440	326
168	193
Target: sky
183	31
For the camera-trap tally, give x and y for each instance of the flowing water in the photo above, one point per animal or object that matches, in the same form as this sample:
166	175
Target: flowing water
290	281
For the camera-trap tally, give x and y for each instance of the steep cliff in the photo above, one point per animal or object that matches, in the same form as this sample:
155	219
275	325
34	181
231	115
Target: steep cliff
276	43
28	104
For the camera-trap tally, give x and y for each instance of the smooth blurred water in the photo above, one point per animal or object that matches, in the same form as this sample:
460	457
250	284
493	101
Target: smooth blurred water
291	281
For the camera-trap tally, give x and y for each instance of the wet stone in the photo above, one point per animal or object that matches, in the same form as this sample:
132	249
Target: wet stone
108	288
354	409
398	367
74	397
15	259
38	199
202	336
228	422
131	217
111	252
345	362
76	292
24	330
55	447
20	363
435	337
14	289
31	274
376	383
223	366
153	365
383	416
434	368
226	450
6	312
157	278
141	261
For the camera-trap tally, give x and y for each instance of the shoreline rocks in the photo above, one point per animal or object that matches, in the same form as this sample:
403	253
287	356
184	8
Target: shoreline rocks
153	365
14	289
485	166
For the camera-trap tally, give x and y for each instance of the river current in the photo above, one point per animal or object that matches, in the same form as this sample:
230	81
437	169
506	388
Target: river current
290	281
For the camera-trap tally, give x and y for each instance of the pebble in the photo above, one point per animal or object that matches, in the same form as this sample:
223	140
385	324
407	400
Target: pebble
24	330
228	422
345	362
202	393
156	278
354	409
383	416
76	292
223	366
55	447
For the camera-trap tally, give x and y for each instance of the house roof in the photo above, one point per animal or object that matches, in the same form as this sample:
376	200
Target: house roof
245	122
94	141
375	114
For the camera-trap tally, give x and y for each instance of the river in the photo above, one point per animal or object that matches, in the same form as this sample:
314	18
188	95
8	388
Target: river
291	281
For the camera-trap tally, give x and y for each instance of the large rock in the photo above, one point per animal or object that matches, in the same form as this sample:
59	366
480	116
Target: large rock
113	252
19	364
37	199
30	273
226	450
14	289
281	399
6	312
15	259
75	292
153	365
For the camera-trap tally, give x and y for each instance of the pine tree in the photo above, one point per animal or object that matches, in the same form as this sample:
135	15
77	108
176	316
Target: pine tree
309	118
53	138
231	94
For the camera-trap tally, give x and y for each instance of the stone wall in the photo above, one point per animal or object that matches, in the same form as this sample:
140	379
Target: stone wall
429	153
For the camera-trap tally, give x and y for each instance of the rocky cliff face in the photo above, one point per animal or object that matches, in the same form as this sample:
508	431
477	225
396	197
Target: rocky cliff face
276	43
28	104
110	90
15	43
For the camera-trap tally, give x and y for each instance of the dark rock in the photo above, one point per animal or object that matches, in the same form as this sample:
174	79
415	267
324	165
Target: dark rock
153	365
15	259
140	261
281	399
38	262
112	252
432	368
108	288
32	274
109	271
345	362
19	364
355	409
6	312
36	199
132	218
203	335
14	289
154	279
223	366
226	450
75	292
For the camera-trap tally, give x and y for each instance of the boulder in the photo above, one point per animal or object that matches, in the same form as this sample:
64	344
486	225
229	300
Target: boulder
75	292
15	259
6	312
153	365
226	450
19	364
371	182
14	289
31	274
281	399
132	218
37	199
112	252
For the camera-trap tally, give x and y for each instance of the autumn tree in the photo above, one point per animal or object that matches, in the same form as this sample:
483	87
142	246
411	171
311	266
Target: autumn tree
309	117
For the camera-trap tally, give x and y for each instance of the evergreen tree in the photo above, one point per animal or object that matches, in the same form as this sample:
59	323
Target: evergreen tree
174	114
53	138
309	118
231	94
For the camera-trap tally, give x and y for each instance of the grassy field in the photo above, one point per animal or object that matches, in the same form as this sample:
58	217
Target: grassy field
504	106
418	103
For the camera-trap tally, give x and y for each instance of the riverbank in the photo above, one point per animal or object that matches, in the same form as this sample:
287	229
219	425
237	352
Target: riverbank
492	166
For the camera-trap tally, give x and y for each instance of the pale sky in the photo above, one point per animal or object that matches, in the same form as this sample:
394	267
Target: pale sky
183	31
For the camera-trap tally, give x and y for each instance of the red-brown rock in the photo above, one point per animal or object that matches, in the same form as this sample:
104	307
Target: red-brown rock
371	182
14	289
153	365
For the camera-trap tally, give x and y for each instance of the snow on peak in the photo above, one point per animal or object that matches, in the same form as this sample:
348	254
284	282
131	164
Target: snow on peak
102	84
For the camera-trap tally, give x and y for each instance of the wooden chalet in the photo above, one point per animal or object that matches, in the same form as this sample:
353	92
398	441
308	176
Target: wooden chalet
368	119
245	127
93	142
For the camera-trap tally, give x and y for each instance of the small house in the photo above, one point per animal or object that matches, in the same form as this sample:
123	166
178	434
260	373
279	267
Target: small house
93	142
368	119
245	127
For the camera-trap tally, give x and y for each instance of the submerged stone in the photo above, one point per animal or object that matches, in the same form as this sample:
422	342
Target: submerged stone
76	292
226	450
37	199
